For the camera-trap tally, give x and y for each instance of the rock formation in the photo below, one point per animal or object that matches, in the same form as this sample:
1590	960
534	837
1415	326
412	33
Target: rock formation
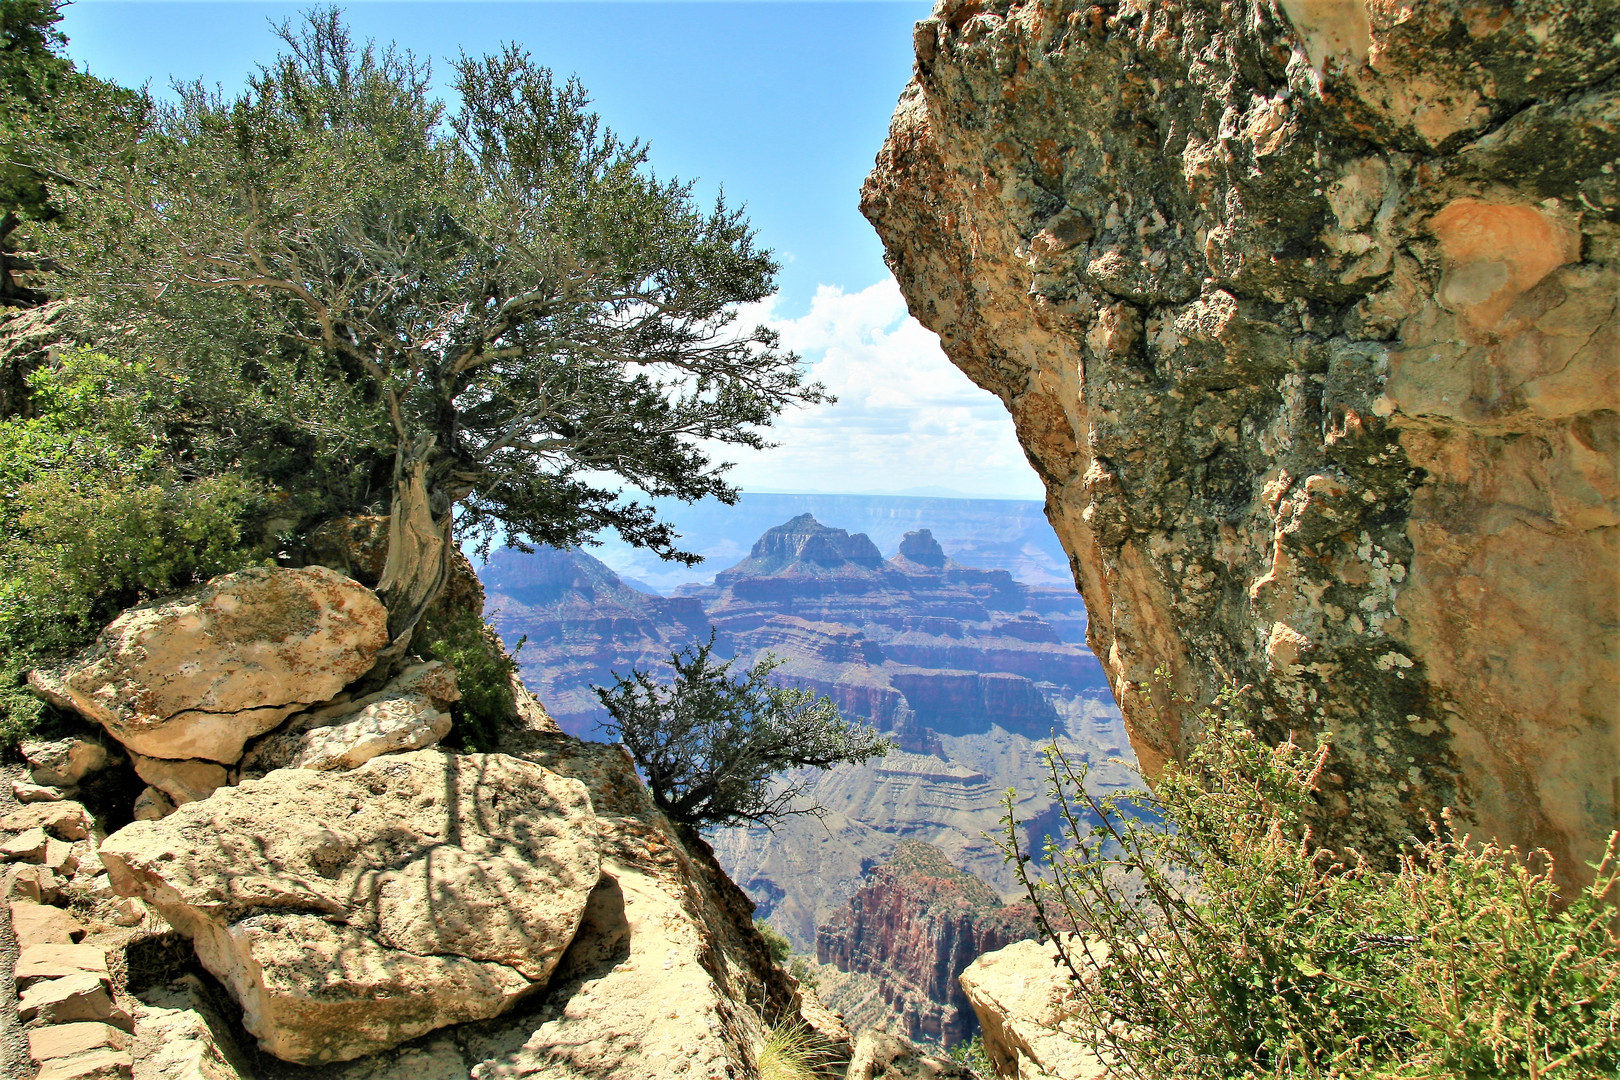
914	926
442	886
971	669
1019	995
581	624
372	906
200	675
1306	314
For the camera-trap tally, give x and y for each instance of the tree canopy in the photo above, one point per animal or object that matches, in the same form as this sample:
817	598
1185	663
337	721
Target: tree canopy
487	314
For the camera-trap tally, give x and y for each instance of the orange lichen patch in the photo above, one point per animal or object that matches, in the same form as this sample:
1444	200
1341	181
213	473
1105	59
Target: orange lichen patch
1494	253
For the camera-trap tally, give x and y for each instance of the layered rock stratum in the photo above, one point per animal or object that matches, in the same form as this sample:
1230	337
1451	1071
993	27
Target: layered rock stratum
912	928
971	669
1306	316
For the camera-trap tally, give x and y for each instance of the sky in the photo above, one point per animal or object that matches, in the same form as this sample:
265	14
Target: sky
781	105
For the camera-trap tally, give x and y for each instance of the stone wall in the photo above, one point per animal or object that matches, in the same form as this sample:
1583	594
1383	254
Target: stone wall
1306	315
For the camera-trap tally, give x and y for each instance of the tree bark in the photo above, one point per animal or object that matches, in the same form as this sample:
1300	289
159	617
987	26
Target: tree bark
418	562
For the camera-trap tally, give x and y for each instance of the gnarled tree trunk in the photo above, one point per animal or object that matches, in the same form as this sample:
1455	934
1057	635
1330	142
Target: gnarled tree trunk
419	545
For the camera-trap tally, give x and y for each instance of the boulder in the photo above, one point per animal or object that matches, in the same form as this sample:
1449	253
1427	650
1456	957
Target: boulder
34	884
64	762
41	924
882	1056
55	961
94	1065
33	793
63	820
197	676
442	887
180	1036
181	781
1018	994
151	804
409	713
27	846
69	1040
81	996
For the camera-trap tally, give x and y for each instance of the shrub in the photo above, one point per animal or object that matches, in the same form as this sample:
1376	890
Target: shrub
971	1052
1245	949
484	671
710	744
97	513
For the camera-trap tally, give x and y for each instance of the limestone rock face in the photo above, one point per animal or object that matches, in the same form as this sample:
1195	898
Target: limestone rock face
199	675
1306	315
351	911
409	713
1018	993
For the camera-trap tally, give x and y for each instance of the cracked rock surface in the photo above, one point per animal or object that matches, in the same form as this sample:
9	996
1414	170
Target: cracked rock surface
350	911
1306	316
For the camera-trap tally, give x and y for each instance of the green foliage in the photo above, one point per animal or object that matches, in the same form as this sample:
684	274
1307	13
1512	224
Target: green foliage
98	513
495	294
1247	950
710	743
776	942
484	671
783	956
970	1052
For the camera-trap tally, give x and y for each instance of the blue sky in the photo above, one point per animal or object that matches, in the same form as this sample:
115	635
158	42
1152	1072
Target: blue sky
784	104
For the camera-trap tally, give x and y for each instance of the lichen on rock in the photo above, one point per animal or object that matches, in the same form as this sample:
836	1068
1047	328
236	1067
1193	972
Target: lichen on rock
1306	316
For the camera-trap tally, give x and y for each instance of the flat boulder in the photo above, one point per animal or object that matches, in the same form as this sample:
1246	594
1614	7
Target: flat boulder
196	676
411	712
350	911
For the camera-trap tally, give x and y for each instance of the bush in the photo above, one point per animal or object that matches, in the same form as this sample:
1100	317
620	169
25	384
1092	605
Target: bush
971	1053
783	956
710	744
1245	949
97	513
484	671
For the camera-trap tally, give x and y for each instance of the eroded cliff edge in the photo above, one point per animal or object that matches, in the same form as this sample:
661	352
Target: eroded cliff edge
1306	315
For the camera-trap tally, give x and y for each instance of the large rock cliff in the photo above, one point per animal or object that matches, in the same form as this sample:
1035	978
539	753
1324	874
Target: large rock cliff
1306	315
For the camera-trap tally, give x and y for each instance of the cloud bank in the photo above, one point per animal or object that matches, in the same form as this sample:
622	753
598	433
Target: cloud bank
906	421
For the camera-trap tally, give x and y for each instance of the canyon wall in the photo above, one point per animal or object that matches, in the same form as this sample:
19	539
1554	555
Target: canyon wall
914	926
1306	315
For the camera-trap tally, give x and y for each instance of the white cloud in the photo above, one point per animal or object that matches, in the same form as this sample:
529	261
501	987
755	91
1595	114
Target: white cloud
906	419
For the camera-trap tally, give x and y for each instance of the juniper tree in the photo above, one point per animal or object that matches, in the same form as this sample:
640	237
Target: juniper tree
496	302
710	743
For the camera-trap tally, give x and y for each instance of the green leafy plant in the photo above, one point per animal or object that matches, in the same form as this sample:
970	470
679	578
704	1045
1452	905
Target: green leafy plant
1221	940
100	512
710	743
484	671
783	956
971	1052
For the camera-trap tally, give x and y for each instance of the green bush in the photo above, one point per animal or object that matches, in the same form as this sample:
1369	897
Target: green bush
1242	948
711	745
970	1052
98	513
484	671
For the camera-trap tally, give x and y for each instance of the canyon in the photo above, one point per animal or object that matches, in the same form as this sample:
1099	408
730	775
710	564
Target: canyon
912	928
1306	314
971	671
